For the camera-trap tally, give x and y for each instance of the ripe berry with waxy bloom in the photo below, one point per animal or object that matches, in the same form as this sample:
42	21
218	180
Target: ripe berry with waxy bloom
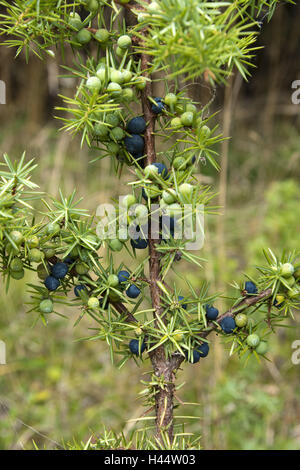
158	107
46	306
78	289
139	243
253	340
59	270
250	287
134	144
136	125
228	325
182	305
52	283
195	356
133	291
203	349
123	276
241	320
136	347
211	312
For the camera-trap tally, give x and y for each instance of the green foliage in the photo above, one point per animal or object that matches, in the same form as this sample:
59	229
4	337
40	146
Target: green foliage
204	39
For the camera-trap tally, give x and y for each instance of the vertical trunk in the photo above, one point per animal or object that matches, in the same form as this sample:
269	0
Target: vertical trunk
161	366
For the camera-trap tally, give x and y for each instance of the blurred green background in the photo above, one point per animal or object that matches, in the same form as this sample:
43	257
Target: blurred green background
55	388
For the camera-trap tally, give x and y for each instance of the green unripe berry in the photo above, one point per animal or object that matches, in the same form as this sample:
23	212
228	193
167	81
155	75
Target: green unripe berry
141	213
124	42
174	209
16	265
100	130
112	119
151	171
253	340
102	35
176	122
46	306
10	249
93	302
42	272
191	108
113	148
115	244
186	190
84	36
138	331
114	88
187	118
262	348
17	275
117	76
128	201
169	196
290	281
287	270
179	162
103	73
141	83
49	252
293	293
36	255
153	7
93	84
33	242
52	228
170	99
127	94
178	336
179	108
113	280
81	269
124	1
92	5
120	52
204	131
152	191
297	273
241	320
16	237
117	134
75	21
127	75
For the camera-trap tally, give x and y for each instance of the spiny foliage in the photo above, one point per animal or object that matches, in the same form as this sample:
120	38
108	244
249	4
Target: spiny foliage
61	243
